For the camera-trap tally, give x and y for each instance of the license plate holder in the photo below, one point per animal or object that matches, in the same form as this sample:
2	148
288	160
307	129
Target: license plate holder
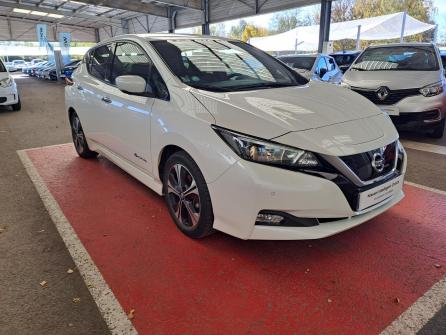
380	193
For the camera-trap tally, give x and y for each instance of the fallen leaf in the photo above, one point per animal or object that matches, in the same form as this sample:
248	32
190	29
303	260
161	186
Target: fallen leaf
70	271
43	283
437	266
131	314
76	300
329	301
70	325
41	231
310	246
307	270
396	300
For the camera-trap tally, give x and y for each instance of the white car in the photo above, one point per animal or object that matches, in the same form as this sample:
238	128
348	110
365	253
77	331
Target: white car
9	95
406	81
314	66
235	140
18	64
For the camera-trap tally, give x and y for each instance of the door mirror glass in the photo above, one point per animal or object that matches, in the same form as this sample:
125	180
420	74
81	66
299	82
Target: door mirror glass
322	72
131	84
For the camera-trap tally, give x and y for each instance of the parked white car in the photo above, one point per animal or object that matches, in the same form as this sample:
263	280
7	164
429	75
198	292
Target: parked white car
234	139
9	95
18	64
406	81
314	66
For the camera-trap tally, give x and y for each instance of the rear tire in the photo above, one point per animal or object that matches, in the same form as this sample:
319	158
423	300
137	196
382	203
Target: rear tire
18	106
438	130
79	139
187	196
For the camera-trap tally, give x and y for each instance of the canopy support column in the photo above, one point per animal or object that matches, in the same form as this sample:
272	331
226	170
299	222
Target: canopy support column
358	38
205	30
403	27
171	14
324	26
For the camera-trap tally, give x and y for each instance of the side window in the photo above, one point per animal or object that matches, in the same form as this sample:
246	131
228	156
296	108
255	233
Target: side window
331	64
100	60
321	66
130	59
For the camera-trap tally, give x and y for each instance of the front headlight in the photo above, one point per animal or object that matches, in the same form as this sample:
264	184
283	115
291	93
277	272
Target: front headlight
432	90
270	153
5	82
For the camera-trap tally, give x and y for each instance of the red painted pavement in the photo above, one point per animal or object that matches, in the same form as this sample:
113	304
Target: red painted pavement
345	284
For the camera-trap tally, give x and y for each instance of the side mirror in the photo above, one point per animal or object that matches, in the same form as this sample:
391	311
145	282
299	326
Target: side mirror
322	72
131	84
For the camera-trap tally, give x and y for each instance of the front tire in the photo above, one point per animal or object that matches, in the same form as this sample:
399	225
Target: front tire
187	196
79	139
18	106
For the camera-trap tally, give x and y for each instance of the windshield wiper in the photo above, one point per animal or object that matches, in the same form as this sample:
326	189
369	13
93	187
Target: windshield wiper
262	85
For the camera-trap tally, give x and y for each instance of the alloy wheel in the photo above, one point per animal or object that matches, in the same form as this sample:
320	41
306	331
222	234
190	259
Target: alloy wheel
78	134
183	195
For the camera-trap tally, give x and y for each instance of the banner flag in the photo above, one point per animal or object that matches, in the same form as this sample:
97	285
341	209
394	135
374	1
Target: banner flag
64	42
41	34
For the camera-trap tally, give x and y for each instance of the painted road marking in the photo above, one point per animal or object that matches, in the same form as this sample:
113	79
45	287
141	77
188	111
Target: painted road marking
436	149
417	315
109	307
232	257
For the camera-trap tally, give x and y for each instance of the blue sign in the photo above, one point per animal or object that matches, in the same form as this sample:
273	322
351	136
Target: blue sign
64	42
41	34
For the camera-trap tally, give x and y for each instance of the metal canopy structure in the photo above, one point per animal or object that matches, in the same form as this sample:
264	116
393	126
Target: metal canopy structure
94	20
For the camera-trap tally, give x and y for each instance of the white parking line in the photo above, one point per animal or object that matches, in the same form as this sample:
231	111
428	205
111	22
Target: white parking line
417	315
436	149
109	307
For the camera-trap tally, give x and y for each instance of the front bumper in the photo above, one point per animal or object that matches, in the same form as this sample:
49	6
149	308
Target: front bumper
247	188
9	95
418	112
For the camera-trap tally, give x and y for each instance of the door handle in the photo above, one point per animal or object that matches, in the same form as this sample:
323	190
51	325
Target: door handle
106	100
80	88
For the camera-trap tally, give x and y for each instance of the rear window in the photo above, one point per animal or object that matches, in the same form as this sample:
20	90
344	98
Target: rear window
399	58
305	63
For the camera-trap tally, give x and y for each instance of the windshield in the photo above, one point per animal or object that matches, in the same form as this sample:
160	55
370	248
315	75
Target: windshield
18	61
305	63
400	58
224	66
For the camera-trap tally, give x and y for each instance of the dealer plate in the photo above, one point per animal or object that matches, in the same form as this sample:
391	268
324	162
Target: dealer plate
391	110
380	193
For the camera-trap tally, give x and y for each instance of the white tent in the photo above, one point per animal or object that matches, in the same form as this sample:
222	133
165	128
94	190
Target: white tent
375	28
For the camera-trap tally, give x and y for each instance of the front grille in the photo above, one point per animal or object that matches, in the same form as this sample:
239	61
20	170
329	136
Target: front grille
393	97
3	99
362	164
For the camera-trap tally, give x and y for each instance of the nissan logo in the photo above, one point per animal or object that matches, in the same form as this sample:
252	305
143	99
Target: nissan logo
382	93
378	162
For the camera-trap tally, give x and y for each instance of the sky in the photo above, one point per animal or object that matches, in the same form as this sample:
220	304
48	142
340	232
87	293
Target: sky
263	20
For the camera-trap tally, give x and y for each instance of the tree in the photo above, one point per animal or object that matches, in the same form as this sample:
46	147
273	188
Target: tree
289	19
236	31
344	10
253	31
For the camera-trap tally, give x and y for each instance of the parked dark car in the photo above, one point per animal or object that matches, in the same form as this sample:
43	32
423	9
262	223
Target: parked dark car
345	58
68	69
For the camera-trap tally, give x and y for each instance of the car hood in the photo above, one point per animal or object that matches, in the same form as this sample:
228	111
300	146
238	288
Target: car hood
395	80
269	113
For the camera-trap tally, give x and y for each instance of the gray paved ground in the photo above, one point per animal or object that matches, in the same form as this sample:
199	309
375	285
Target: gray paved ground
31	250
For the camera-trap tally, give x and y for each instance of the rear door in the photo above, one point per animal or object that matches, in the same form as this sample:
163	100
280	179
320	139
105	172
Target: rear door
92	82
